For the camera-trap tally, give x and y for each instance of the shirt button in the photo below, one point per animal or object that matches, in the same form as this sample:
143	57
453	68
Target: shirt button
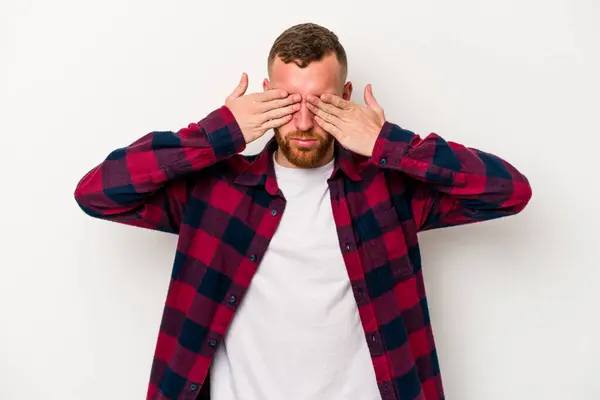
193	387
212	343
348	247
252	257
232	299
383	162
273	212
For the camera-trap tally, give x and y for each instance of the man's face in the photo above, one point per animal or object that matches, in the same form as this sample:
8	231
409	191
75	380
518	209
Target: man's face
302	142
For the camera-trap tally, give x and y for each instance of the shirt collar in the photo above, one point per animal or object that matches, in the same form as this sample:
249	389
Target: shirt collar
261	172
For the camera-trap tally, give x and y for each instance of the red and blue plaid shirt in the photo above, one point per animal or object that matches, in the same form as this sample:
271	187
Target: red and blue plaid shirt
226	207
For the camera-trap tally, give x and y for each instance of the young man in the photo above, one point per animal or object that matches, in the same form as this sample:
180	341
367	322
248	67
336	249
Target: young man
297	274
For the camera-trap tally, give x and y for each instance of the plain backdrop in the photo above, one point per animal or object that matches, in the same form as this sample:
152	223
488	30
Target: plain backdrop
514	302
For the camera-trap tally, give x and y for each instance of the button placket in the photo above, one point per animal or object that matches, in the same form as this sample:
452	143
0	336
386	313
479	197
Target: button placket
387	391
385	386
375	344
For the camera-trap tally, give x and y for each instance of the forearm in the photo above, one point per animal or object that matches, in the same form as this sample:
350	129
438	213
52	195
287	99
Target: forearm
481	182
129	176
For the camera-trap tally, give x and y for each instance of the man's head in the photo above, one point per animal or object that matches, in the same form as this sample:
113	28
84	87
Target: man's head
307	59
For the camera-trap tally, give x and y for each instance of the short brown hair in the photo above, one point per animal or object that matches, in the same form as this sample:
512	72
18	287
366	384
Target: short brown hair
304	43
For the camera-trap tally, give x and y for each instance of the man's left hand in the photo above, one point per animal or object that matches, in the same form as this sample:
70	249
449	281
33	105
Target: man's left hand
356	127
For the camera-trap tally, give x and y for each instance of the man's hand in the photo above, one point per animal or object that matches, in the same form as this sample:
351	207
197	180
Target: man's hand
356	127
256	113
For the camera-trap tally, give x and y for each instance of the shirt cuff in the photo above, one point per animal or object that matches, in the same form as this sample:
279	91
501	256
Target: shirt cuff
223	133
391	145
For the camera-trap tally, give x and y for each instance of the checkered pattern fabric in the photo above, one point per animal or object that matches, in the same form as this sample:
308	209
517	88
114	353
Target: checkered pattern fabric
226	207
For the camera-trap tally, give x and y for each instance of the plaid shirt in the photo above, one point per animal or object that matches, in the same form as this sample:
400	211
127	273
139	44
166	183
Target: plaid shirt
225	207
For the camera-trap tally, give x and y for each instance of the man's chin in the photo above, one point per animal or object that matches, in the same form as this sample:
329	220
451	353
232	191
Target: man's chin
303	158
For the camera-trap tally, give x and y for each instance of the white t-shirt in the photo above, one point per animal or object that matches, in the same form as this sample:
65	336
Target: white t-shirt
297	334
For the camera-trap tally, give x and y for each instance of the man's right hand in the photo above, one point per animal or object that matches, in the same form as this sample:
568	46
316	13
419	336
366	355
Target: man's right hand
256	113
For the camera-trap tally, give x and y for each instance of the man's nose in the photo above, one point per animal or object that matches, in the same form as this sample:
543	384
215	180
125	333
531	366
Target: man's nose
304	118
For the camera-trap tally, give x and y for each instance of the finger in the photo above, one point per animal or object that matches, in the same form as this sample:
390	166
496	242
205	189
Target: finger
276	123
278	103
271	94
325	116
328	108
328	127
241	87
370	99
336	101
281	112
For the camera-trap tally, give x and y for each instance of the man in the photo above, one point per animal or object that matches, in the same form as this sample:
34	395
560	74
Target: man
297	274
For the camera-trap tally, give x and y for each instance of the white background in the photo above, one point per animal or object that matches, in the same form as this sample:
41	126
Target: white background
514	302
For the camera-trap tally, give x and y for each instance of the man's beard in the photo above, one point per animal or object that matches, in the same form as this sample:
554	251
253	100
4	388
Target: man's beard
304	157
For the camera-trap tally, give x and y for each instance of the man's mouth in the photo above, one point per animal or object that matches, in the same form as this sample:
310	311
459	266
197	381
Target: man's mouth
304	142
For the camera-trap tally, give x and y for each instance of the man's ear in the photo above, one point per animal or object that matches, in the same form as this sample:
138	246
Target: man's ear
266	85
347	91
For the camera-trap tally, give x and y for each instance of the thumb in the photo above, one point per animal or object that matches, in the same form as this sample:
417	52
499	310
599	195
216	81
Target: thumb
369	98
241	88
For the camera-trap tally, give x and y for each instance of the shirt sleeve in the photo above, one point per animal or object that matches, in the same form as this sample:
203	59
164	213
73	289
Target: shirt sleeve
145	184
456	184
